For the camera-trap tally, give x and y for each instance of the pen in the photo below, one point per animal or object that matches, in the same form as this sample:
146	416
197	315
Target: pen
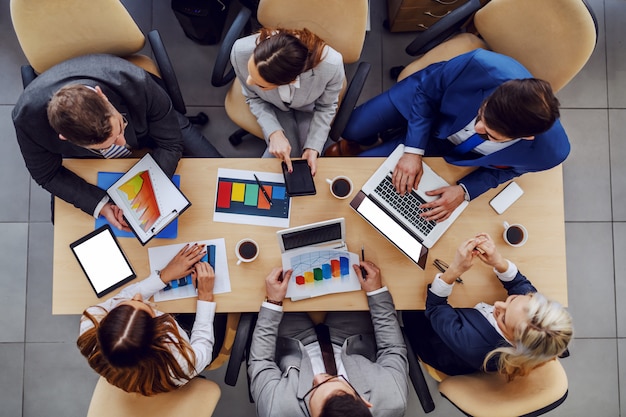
363	271
267	197
442	266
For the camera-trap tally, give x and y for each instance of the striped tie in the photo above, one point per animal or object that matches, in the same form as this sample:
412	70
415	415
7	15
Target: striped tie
115	151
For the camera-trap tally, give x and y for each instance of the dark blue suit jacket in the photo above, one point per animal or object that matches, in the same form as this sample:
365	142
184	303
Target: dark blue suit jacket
443	98
466	333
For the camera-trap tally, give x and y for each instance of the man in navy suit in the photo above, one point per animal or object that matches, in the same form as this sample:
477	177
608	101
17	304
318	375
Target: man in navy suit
479	109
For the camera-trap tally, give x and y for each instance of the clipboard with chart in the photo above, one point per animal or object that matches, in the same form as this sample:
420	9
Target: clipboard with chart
148	198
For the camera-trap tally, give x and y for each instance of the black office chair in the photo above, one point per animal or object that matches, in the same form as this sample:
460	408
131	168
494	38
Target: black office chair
326	19
53	32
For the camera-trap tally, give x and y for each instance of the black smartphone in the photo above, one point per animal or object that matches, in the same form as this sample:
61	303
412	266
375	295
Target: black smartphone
300	181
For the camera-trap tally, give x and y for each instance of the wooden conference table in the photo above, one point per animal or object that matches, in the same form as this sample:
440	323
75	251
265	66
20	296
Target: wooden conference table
541	259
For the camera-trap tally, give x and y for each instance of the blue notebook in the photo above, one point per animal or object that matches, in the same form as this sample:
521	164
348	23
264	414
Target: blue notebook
106	180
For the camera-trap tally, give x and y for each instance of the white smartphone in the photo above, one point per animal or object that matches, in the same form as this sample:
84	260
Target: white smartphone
507	196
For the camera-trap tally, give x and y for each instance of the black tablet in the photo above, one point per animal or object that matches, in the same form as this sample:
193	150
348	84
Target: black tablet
102	260
300	181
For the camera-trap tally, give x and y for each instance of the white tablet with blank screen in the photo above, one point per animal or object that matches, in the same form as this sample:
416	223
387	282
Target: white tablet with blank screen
103	261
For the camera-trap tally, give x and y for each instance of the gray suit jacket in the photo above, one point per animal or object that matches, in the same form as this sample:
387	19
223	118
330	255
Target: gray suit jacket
131	90
281	373
316	98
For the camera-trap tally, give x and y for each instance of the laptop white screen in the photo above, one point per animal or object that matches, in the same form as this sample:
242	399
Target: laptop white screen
392	230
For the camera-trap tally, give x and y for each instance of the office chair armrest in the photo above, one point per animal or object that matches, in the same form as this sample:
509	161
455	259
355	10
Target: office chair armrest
167	71
220	77
240	347
28	75
349	101
443	29
417	378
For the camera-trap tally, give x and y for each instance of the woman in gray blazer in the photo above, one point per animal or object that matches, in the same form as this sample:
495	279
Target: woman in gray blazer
291	80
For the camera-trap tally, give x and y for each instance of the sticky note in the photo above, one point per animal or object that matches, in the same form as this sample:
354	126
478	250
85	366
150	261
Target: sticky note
238	191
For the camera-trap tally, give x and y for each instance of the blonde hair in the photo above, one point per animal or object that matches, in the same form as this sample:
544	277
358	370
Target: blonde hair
542	337
132	350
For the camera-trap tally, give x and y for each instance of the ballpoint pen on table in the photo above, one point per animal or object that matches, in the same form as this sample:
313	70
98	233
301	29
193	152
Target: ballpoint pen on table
442	266
267	197
363	271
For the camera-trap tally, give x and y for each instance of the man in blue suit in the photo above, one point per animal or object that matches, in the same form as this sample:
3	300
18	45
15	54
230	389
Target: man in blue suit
479	109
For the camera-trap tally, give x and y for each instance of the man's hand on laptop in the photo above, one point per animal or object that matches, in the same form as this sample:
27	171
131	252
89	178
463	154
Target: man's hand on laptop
450	197
407	173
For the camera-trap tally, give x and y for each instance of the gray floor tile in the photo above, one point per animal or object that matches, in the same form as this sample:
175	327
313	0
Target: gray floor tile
13	247
220	127
616	52
14	177
591	293
39	203
617	127
11	59
192	62
621	358
11	379
619	249
57	381
41	325
592	375
588	89
586	173
234	400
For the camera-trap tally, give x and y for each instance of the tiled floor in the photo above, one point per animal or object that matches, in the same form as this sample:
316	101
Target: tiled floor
44	375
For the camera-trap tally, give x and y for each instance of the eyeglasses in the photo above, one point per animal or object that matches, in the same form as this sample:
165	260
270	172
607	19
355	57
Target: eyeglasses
486	135
309	393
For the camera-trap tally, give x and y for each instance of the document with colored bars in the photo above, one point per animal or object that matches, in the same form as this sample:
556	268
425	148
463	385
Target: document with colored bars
239	199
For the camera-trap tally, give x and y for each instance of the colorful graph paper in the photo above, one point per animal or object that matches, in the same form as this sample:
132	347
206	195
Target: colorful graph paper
141	198
335	268
240	196
320	271
107	179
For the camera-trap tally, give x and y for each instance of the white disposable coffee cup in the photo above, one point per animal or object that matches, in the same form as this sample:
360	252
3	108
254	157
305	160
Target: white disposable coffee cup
514	234
340	186
247	250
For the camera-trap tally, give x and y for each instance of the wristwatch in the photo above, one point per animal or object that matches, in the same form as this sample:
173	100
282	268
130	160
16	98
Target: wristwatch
278	303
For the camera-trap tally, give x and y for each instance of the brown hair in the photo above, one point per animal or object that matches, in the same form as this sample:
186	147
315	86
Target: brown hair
80	115
283	54
132	350
345	404
521	108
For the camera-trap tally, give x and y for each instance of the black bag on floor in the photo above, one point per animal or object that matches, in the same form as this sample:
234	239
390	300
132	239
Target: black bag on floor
202	20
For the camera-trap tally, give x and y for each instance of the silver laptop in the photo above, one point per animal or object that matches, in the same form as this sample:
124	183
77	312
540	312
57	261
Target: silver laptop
397	217
325	234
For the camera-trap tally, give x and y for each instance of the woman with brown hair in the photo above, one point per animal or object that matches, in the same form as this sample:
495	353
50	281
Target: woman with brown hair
291	80
140	349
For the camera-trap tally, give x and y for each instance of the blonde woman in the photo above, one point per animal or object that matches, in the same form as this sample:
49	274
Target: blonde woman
140	349
291	80
512	337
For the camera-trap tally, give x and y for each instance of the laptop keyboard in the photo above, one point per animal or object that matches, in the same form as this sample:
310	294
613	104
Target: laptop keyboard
407	206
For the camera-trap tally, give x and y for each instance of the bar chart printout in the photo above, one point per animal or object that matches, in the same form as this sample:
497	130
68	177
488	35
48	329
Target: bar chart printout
239	199
319	272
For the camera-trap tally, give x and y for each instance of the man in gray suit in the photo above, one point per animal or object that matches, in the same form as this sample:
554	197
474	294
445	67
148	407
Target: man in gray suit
288	375
102	106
